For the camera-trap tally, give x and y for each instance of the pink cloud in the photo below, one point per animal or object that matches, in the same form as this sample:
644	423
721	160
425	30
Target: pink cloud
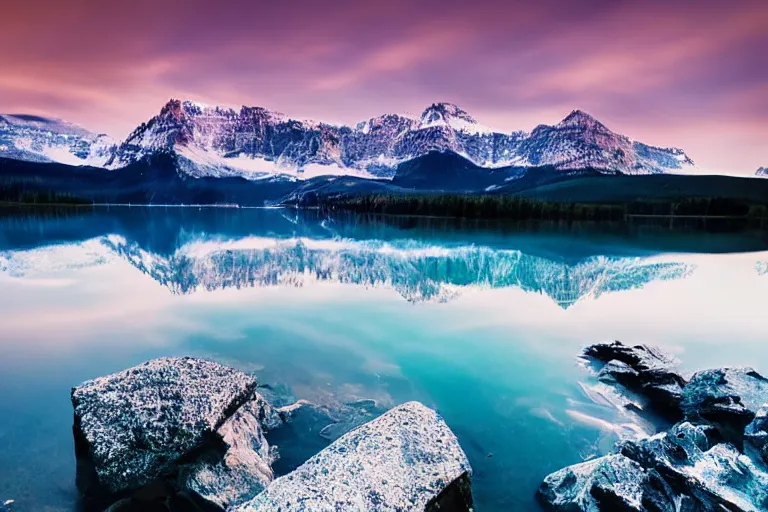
654	71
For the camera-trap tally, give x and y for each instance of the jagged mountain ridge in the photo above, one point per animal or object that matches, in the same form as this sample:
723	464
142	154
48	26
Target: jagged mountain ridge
43	139
255	142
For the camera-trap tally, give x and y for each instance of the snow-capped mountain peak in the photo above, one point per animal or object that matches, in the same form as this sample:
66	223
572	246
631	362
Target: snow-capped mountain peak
762	171
582	120
450	116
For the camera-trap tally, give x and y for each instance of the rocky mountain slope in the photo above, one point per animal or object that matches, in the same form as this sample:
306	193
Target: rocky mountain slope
255	142
41	139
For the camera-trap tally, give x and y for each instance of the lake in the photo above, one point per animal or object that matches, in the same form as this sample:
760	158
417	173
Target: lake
481	321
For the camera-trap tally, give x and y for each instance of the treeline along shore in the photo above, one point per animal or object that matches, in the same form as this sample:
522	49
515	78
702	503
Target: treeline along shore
695	211
519	208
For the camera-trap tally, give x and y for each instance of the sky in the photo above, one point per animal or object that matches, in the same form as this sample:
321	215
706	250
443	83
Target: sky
690	74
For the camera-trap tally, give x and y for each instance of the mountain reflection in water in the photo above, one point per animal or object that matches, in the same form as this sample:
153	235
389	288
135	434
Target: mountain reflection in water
306	249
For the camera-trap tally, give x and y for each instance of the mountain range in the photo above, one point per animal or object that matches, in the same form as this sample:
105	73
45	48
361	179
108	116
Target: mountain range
256	143
195	154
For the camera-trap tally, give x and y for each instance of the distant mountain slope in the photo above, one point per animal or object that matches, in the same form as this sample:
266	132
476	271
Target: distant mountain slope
256	143
153	180
762	172
41	139
619	189
158	179
580	141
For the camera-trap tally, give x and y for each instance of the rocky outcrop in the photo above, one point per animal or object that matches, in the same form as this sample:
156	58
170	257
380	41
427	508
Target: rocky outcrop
756	433
702	470
728	398
407	459
173	424
614	483
712	458
644	371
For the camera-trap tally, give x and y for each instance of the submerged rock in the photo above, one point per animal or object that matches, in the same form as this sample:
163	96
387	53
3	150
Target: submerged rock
714	460
407	459
646	371
145	424
639	357
6	506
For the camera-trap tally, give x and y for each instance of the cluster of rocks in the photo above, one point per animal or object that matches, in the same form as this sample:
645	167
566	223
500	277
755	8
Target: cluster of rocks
713	457
184	434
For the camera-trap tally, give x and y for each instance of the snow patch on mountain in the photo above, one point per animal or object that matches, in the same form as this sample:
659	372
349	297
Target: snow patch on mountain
42	139
451	116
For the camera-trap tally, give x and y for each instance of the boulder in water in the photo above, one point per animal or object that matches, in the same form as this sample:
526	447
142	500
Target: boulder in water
407	459
168	425
729	398
614	483
646	371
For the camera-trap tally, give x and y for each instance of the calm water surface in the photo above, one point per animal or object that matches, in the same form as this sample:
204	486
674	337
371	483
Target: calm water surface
483	323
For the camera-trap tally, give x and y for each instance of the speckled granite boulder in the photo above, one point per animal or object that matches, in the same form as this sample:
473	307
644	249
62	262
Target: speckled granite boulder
407	459
180	420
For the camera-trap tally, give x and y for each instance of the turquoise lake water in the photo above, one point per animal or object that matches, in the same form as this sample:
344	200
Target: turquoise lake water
482	322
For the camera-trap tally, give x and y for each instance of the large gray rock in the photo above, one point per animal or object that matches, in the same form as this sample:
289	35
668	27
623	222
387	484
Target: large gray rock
151	421
407	459
729	398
